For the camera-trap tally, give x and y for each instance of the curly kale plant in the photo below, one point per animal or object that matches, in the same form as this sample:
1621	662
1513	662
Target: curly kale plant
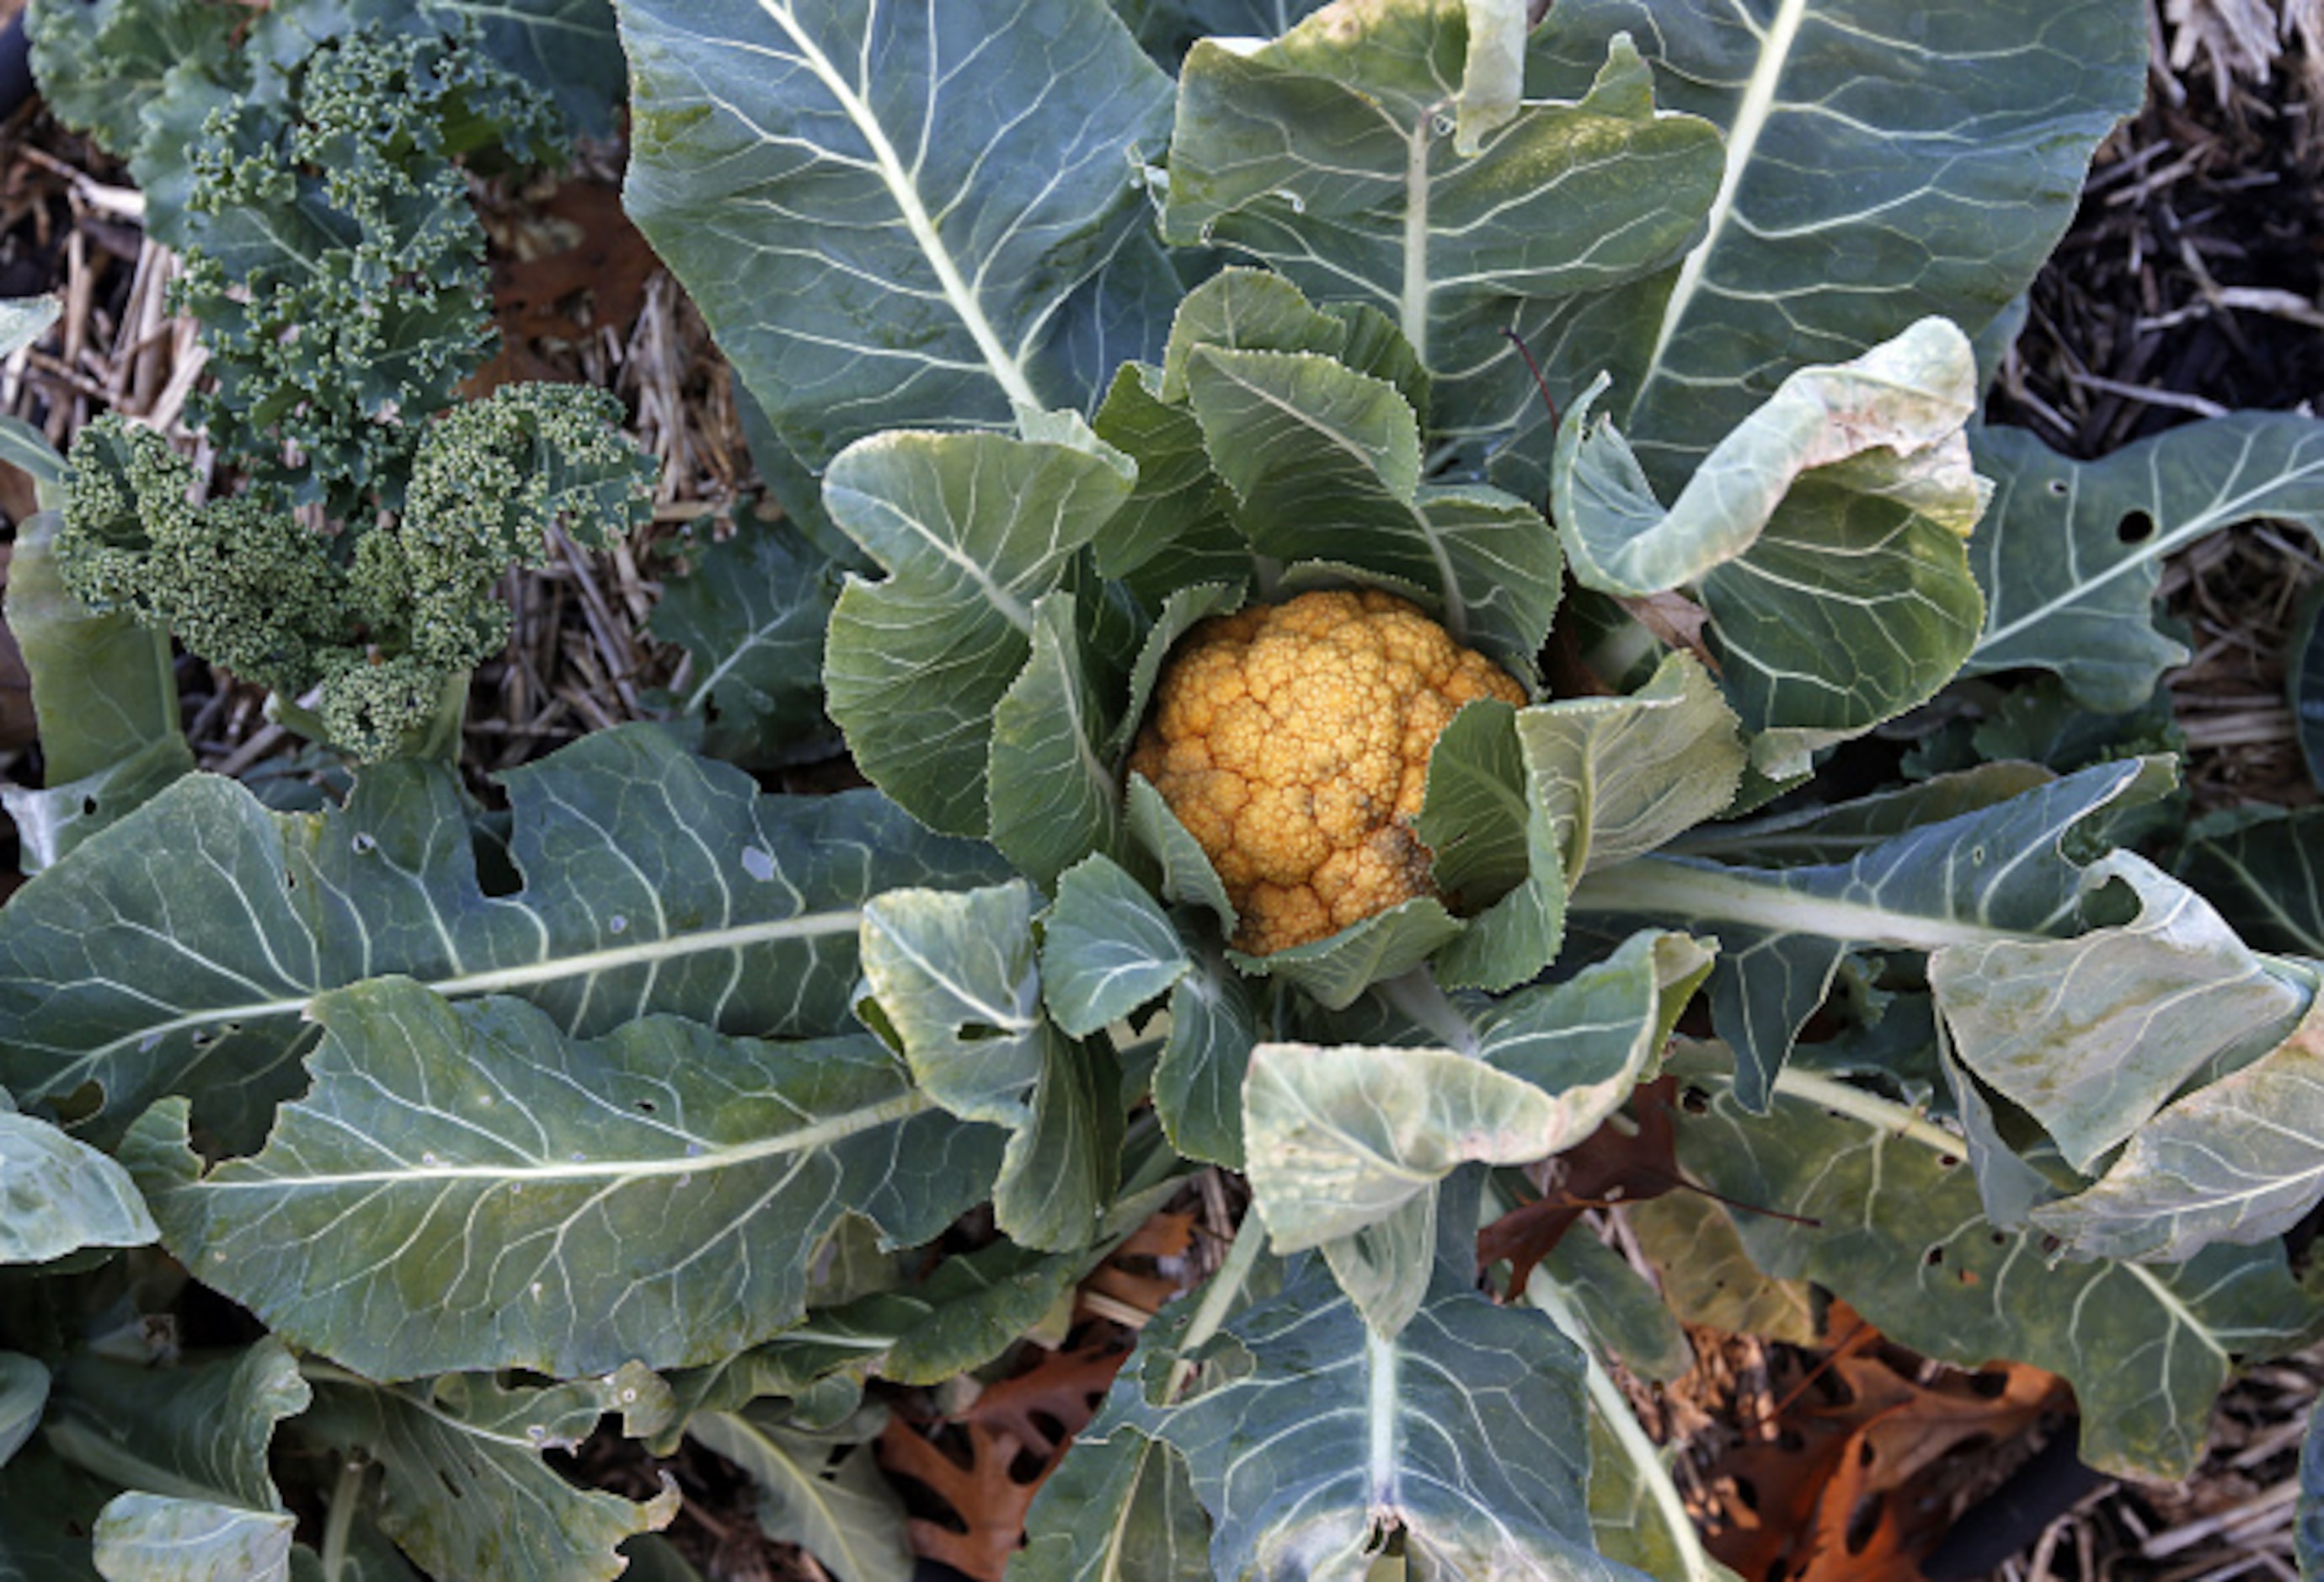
381	618
337	269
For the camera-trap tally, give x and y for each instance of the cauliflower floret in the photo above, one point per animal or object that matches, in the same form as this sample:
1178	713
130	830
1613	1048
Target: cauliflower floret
1292	740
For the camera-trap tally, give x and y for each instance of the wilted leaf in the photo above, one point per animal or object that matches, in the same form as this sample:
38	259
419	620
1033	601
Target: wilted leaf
57	1194
2090	1035
2240	1159
163	1538
1825	535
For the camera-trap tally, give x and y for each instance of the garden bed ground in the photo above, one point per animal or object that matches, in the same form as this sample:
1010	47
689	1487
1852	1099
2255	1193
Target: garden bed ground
2191	283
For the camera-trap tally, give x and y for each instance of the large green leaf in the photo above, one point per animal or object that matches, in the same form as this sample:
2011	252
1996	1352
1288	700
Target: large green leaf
200	1430
843	187
1308	1436
464	1186
751	613
466	1491
2260	867
843	1513
161	1538
2071	552
1331	154
1956	141
654	881
57	1194
955	977
1889	1218
973	529
569	49
1992	878
104	696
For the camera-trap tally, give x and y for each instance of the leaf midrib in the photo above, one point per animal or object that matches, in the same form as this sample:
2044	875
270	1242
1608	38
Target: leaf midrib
1006	372
548	969
805	1139
1751	116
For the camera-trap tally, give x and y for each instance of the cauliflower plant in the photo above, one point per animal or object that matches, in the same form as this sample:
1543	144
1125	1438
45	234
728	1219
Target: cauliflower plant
1292	740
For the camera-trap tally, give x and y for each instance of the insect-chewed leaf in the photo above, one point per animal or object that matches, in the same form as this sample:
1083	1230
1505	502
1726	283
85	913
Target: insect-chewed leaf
466	1491
2071	553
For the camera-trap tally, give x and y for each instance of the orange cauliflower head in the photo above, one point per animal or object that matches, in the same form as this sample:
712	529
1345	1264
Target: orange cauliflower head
1293	741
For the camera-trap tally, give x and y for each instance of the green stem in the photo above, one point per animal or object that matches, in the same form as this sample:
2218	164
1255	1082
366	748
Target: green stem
1417	995
339	1527
1218	1301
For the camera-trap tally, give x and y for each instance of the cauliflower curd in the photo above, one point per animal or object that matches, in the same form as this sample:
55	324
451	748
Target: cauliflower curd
1293	741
